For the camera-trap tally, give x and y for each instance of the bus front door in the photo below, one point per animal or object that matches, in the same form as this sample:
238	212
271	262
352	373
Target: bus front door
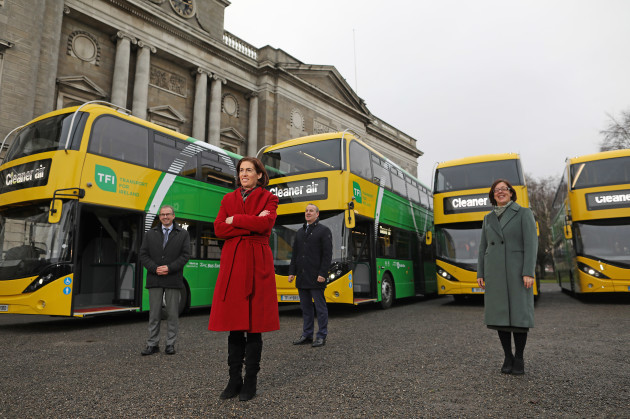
363	281
108	272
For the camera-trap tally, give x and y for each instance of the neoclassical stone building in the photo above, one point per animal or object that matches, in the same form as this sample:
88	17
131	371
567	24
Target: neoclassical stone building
171	62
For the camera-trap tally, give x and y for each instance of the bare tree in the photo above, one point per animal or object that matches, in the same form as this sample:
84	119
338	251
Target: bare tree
541	194
617	133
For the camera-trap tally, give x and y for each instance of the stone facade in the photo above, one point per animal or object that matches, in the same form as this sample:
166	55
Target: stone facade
177	68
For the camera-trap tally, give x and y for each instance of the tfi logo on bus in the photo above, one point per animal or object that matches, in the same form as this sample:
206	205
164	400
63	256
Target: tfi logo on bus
356	192
105	178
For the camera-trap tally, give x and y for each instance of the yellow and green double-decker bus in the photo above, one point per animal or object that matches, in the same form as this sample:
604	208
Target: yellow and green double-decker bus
379	214
460	197
591	224
78	189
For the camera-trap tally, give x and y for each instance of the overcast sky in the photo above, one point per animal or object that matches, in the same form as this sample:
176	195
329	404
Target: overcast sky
466	77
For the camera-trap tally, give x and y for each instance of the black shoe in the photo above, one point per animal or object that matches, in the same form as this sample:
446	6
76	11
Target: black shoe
519	366
150	350
507	365
170	350
319	342
302	340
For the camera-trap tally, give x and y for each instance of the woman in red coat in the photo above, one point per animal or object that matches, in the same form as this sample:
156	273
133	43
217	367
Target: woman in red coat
245	298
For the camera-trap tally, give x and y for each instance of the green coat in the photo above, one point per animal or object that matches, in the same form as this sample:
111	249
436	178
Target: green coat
507	252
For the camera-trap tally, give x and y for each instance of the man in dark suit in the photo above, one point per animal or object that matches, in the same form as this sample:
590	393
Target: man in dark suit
310	262
164	253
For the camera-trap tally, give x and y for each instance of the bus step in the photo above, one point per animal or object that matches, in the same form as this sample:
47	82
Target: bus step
358	301
93	311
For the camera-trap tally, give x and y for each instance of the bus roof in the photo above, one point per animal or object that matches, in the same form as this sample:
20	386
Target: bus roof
108	108
600	156
312	138
479	159
333	135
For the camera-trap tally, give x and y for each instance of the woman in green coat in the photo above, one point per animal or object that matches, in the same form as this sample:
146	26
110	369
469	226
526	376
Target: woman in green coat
505	268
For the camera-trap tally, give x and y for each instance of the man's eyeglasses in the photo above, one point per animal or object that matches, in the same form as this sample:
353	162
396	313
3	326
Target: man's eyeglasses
502	189
166	215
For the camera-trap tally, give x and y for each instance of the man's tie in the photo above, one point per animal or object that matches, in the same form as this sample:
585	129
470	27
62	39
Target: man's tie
166	230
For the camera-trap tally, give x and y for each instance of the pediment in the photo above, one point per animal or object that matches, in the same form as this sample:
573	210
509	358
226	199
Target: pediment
232	134
167	112
327	79
83	84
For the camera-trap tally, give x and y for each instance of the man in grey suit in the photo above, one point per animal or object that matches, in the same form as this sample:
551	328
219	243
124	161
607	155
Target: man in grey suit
164	253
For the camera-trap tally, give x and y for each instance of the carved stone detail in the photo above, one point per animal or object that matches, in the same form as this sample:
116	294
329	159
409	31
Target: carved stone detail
297	119
84	46
168	81
229	105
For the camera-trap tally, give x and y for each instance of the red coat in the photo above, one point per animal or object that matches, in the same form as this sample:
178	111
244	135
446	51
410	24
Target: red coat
245	296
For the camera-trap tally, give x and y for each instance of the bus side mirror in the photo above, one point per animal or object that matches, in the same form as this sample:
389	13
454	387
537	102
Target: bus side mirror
350	218
428	239
54	213
568	233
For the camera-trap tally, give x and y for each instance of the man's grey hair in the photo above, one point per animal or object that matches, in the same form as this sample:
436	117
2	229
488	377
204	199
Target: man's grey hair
313	205
167	206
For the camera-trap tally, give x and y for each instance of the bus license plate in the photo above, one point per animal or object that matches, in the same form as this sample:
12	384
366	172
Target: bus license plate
289	298
4	307
477	290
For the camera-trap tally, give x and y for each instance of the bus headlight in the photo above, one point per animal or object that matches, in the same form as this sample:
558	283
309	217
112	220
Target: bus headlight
591	271
446	275
337	270
48	275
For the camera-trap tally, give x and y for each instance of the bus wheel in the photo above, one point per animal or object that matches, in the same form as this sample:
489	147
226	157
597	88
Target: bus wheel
387	291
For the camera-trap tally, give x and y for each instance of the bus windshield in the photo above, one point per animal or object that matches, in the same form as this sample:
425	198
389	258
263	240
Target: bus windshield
284	233
304	158
46	135
28	243
477	175
607	240
459	244
600	173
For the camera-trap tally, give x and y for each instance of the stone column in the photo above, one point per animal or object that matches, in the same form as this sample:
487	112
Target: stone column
199	111
141	81
121	68
214	116
252	134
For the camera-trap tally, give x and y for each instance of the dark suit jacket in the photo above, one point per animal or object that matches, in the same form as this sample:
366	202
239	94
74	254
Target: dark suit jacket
175	255
312	254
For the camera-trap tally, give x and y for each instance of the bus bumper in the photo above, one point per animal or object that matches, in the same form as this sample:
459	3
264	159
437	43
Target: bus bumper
338	291
53	299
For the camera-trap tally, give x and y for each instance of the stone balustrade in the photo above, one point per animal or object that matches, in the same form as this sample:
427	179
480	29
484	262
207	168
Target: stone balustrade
239	45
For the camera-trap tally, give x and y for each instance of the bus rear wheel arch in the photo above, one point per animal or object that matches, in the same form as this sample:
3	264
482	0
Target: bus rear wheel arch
387	291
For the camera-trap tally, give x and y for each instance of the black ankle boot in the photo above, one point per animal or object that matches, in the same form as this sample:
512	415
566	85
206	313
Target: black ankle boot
507	364
519	366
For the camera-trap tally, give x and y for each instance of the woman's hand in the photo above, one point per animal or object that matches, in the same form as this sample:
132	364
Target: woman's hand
264	213
229	220
481	283
528	281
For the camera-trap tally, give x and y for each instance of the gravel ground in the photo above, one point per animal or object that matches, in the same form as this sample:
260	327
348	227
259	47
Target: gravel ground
421	358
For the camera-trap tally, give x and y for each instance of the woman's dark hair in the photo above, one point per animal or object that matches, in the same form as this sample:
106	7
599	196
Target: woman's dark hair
496	182
260	168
